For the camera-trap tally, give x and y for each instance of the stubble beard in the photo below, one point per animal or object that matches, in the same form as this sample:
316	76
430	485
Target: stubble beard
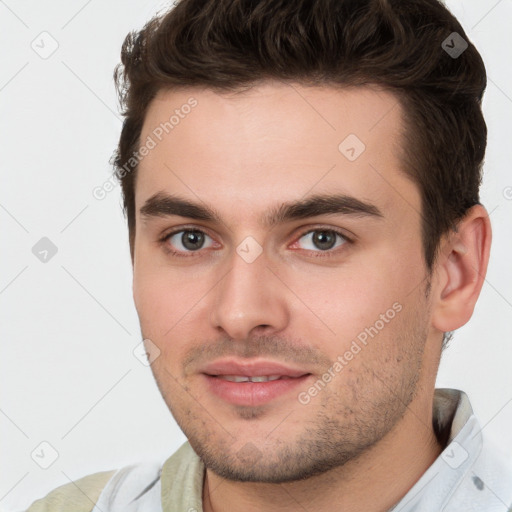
344	422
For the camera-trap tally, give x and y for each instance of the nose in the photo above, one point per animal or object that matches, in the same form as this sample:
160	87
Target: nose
249	298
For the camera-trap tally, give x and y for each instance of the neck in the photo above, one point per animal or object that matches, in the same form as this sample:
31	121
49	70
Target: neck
373	482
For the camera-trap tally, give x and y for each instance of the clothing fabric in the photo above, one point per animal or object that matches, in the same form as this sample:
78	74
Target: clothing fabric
470	475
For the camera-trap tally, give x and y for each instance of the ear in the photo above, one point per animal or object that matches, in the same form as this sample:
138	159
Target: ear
460	270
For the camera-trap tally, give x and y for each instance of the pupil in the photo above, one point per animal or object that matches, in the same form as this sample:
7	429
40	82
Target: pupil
324	239
192	240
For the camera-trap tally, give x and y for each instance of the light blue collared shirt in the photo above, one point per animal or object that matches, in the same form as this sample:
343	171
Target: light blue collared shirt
470	474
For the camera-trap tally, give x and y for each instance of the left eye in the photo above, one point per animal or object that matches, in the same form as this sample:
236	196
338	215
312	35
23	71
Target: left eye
322	239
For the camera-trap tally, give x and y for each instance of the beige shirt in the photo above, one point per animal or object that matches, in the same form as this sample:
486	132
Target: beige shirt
469	475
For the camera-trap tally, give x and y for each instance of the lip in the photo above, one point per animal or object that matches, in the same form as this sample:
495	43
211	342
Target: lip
252	393
251	368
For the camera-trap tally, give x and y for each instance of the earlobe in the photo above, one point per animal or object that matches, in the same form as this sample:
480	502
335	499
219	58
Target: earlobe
461	270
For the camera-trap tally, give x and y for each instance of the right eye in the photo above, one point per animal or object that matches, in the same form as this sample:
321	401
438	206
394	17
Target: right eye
186	241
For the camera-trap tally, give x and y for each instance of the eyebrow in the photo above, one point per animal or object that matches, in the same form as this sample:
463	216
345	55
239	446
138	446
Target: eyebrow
162	204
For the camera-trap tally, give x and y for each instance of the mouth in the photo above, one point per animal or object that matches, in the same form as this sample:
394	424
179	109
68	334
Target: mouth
252	383
255	378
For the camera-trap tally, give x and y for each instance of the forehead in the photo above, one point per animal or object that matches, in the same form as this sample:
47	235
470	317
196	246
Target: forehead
274	143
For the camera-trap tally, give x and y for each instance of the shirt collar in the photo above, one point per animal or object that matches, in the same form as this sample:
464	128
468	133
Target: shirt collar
453	419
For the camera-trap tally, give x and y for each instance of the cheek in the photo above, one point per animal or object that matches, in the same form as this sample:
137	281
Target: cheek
169	309
163	290
349	299
363	303
159	302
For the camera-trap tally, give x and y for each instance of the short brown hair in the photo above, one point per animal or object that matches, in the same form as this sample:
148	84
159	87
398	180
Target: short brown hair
226	45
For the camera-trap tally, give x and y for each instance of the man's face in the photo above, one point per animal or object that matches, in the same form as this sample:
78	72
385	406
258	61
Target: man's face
330	299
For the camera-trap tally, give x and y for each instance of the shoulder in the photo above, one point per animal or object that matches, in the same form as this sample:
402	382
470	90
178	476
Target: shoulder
148	484
182	480
79	496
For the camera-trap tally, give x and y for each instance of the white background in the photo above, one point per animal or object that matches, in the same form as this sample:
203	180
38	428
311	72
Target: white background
68	326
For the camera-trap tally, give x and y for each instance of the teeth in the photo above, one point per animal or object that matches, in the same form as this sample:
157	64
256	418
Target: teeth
265	379
243	378
234	378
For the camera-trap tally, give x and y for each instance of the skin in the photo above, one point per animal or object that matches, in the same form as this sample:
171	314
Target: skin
364	440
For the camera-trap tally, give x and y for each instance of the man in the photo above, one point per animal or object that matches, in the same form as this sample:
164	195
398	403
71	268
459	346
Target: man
301	183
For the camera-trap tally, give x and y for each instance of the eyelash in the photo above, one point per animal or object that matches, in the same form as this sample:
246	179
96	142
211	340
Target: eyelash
316	254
